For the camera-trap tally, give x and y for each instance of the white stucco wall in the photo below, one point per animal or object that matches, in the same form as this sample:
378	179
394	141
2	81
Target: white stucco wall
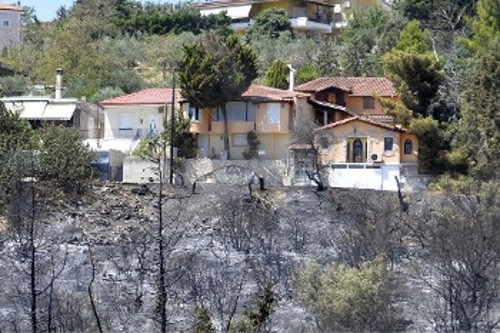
367	178
140	117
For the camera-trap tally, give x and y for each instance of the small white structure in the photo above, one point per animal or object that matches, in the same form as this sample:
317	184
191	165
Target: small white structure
10	25
70	112
364	175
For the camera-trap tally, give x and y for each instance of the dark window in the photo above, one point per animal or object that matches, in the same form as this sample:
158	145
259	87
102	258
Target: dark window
322	96
408	147
216	114
368	103
339	98
388	143
194	113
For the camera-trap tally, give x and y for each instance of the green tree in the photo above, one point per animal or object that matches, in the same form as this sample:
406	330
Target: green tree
184	138
105	93
486	27
370	34
414	69
215	71
166	51
433	143
94	18
64	160
307	73
476	147
271	23
417	74
345	298
16	138
277	75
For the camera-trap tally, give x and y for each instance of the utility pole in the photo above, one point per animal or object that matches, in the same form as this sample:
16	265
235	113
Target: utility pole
172	130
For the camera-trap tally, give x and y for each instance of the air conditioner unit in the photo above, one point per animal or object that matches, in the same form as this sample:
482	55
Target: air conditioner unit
375	158
337	9
347	4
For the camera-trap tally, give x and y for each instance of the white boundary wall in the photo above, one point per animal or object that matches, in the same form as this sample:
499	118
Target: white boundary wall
365	176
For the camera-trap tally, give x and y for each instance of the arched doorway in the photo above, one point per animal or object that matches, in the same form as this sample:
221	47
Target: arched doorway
357	151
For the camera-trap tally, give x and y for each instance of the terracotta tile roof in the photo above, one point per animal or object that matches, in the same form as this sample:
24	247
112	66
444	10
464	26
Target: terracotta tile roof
330	106
382	118
365	120
10	7
144	97
356	86
265	93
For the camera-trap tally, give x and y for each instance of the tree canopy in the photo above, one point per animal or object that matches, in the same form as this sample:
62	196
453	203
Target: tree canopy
270	23
216	70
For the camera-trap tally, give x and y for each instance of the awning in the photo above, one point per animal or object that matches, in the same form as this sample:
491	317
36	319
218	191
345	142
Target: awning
59	112
42	110
234	12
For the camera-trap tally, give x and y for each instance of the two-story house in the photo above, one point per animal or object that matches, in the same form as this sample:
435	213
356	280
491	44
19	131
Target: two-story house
307	17
367	148
269	112
10	25
132	117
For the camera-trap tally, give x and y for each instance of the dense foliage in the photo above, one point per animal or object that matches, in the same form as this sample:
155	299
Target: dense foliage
216	70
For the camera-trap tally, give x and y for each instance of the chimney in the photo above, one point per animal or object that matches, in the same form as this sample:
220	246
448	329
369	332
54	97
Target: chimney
291	80
59	80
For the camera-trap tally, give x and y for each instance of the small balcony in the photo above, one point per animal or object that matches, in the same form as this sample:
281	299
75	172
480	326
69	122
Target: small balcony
300	20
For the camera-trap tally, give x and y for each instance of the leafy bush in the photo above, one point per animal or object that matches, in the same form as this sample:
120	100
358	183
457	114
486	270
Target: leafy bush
345	298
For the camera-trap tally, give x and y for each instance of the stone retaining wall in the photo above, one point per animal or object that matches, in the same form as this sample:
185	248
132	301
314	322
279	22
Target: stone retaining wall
275	172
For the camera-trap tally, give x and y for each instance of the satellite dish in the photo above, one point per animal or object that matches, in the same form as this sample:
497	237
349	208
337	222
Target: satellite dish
374	157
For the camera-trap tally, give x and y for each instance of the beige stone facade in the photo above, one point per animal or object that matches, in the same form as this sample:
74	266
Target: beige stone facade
345	147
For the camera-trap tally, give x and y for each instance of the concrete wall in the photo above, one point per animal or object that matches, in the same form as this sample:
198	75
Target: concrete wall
116	159
303	109
274	146
139	171
275	172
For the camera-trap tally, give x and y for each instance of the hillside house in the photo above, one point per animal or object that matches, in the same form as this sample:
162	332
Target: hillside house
269	112
367	148
10	25
306	17
132	117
